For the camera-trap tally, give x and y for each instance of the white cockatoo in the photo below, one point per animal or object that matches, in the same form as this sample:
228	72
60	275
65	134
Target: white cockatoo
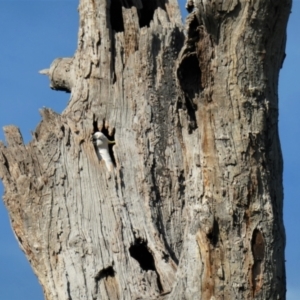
101	142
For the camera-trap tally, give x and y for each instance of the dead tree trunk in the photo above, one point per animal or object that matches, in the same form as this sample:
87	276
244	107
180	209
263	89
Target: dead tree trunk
193	207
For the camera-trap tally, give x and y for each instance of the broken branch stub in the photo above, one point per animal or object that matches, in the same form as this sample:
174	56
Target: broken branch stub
61	74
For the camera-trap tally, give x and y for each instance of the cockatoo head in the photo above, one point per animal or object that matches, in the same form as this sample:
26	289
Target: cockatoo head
100	140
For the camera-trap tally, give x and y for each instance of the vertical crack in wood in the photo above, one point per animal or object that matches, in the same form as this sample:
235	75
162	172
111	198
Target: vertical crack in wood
189	72
213	236
258	252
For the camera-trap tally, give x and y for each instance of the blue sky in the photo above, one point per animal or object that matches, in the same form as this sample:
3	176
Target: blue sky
33	33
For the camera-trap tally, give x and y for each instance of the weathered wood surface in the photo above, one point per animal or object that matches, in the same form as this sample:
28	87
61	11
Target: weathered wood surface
193	208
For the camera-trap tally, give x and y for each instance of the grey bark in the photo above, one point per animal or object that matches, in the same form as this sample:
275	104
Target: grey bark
193	207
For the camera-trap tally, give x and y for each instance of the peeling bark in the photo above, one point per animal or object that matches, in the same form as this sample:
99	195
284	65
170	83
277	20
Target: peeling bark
193	207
